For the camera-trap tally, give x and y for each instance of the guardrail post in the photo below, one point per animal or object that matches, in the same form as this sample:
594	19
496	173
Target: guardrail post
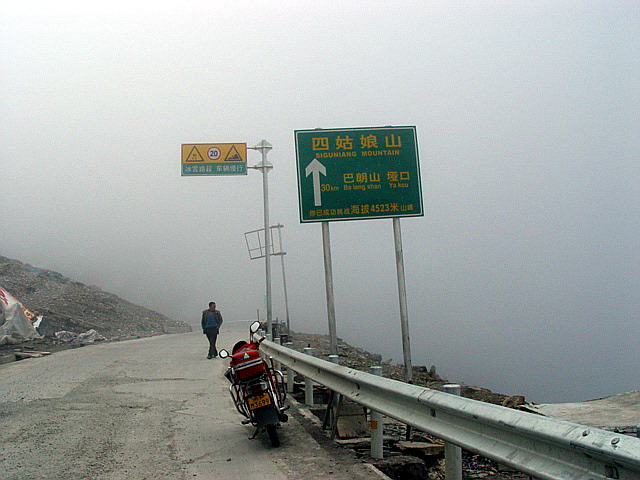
276	364
377	425
452	453
308	383
290	372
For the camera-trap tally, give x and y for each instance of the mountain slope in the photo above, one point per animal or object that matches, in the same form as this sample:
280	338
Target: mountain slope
76	307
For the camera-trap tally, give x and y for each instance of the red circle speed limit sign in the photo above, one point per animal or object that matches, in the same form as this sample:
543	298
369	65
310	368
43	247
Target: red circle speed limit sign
213	153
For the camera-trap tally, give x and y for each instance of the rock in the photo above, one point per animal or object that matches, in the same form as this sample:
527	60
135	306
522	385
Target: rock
513	401
483	394
352	420
420	448
437	471
402	467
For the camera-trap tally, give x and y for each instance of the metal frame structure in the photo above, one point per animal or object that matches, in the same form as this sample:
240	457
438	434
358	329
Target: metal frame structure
258	249
256	244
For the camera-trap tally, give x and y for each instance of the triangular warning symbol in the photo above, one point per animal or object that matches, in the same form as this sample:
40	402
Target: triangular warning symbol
233	155
194	155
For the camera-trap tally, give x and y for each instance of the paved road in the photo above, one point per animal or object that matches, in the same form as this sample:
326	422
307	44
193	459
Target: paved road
152	408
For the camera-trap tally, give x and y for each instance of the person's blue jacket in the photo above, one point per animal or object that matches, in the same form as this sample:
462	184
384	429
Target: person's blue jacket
211	320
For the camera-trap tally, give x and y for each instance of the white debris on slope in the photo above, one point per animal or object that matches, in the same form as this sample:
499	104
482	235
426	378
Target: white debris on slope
15	327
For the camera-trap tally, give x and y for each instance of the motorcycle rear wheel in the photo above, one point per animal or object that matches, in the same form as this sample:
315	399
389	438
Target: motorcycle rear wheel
273	435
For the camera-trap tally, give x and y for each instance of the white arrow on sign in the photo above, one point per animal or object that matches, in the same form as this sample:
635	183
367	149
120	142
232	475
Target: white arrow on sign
316	168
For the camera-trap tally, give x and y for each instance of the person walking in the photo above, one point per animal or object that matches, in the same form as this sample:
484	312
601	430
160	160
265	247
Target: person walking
211	322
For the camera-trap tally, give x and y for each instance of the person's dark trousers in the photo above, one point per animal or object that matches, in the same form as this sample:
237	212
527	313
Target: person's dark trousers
212	335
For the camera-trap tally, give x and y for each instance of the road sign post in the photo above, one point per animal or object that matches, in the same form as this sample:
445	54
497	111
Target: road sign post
359	174
201	159
328	284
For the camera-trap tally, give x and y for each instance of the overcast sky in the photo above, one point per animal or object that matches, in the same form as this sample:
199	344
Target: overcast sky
524	273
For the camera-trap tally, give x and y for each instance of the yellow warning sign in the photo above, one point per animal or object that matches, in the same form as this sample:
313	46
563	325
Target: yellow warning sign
214	159
233	155
194	155
214	152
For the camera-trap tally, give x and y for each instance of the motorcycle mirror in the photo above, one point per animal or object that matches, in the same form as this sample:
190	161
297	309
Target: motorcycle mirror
255	326
223	353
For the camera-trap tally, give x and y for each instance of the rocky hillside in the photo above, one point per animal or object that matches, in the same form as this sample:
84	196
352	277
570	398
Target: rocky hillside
76	307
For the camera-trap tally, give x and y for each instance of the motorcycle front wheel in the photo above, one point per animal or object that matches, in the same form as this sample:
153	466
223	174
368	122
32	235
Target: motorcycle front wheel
273	435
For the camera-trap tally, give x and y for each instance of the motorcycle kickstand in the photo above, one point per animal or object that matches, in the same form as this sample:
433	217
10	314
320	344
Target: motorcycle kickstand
255	434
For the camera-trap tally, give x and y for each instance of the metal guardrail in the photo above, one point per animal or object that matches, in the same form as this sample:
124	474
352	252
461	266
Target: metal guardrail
545	448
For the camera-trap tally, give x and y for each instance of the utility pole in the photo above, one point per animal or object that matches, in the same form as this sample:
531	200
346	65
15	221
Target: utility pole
264	147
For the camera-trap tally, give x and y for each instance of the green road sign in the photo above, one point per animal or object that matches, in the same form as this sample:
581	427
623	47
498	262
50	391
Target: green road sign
358	173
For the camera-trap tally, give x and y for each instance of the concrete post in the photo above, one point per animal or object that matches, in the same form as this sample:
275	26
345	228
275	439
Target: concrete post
276	364
377	425
452	453
290	372
308	383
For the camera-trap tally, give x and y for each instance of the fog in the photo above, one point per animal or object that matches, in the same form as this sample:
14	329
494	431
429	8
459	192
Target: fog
523	275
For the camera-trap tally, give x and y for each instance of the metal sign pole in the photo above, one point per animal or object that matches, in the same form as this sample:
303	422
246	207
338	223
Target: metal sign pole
284	279
264	147
402	294
328	278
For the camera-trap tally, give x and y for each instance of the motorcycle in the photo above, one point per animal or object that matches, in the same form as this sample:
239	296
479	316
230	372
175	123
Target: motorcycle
257	389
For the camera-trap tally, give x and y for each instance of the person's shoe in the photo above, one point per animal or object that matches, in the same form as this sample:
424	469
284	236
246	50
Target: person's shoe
209	356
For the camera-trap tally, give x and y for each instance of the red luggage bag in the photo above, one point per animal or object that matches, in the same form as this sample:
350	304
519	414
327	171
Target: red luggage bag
247	363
